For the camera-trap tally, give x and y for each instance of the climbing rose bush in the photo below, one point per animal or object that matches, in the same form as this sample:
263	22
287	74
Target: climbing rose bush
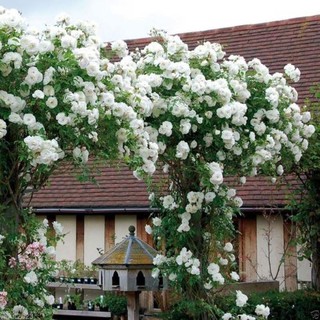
61	99
198	115
24	275
213	117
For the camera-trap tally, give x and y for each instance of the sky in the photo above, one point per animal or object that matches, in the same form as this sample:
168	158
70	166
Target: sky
131	19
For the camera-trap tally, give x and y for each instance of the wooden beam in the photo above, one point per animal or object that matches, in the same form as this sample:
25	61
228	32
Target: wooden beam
290	259
80	237
248	248
142	220
109	223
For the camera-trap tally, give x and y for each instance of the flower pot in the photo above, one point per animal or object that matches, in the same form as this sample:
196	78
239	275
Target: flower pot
86	280
103	308
57	306
72	306
90	306
79	280
93	280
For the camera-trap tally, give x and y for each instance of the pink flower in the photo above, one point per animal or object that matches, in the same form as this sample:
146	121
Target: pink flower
12	262
3	299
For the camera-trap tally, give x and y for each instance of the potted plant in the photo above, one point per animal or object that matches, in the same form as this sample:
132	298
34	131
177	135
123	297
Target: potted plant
92	274
103	302
65	269
90	305
79	271
58	304
74	301
118	306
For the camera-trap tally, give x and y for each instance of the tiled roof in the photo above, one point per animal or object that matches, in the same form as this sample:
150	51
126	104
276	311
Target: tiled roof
260	192
295	41
115	187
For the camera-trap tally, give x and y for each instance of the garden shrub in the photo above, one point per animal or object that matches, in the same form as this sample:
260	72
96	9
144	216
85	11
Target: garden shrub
298	305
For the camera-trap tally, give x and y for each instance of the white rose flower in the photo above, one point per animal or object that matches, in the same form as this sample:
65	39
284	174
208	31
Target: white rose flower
216	178
213	268
38	94
292	72
50	251
62	118
208	286
209	196
184	226
29	119
223	261
58	228
182	150
120	47
238	202
52	102
167	201
172	276
241	299
20	312
185	126
262	310
280	170
156	221
159	259
243	180
148	229
31	278
15	118
49	299
234	276
3	128
155	273
227	316
217	277
228	247
34	76
166	128
39	302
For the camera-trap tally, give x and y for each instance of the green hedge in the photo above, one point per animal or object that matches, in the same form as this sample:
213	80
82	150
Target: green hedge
298	305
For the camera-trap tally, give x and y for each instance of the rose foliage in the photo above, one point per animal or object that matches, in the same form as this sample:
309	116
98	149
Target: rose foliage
196	114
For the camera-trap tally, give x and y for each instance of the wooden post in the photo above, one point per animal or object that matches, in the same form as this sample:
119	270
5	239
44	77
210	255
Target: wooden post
133	305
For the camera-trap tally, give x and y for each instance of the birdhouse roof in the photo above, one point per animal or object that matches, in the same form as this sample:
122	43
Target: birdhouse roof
129	252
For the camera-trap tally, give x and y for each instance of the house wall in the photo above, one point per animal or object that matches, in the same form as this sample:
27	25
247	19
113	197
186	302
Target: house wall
94	237
68	248
122	223
266	251
304	270
270	244
84	234
256	262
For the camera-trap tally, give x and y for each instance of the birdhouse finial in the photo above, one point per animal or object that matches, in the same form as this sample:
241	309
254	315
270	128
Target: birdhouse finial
131	229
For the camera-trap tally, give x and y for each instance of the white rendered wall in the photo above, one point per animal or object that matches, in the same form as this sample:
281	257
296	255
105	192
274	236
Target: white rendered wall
268	260
41	217
304	270
67	248
122	223
94	237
